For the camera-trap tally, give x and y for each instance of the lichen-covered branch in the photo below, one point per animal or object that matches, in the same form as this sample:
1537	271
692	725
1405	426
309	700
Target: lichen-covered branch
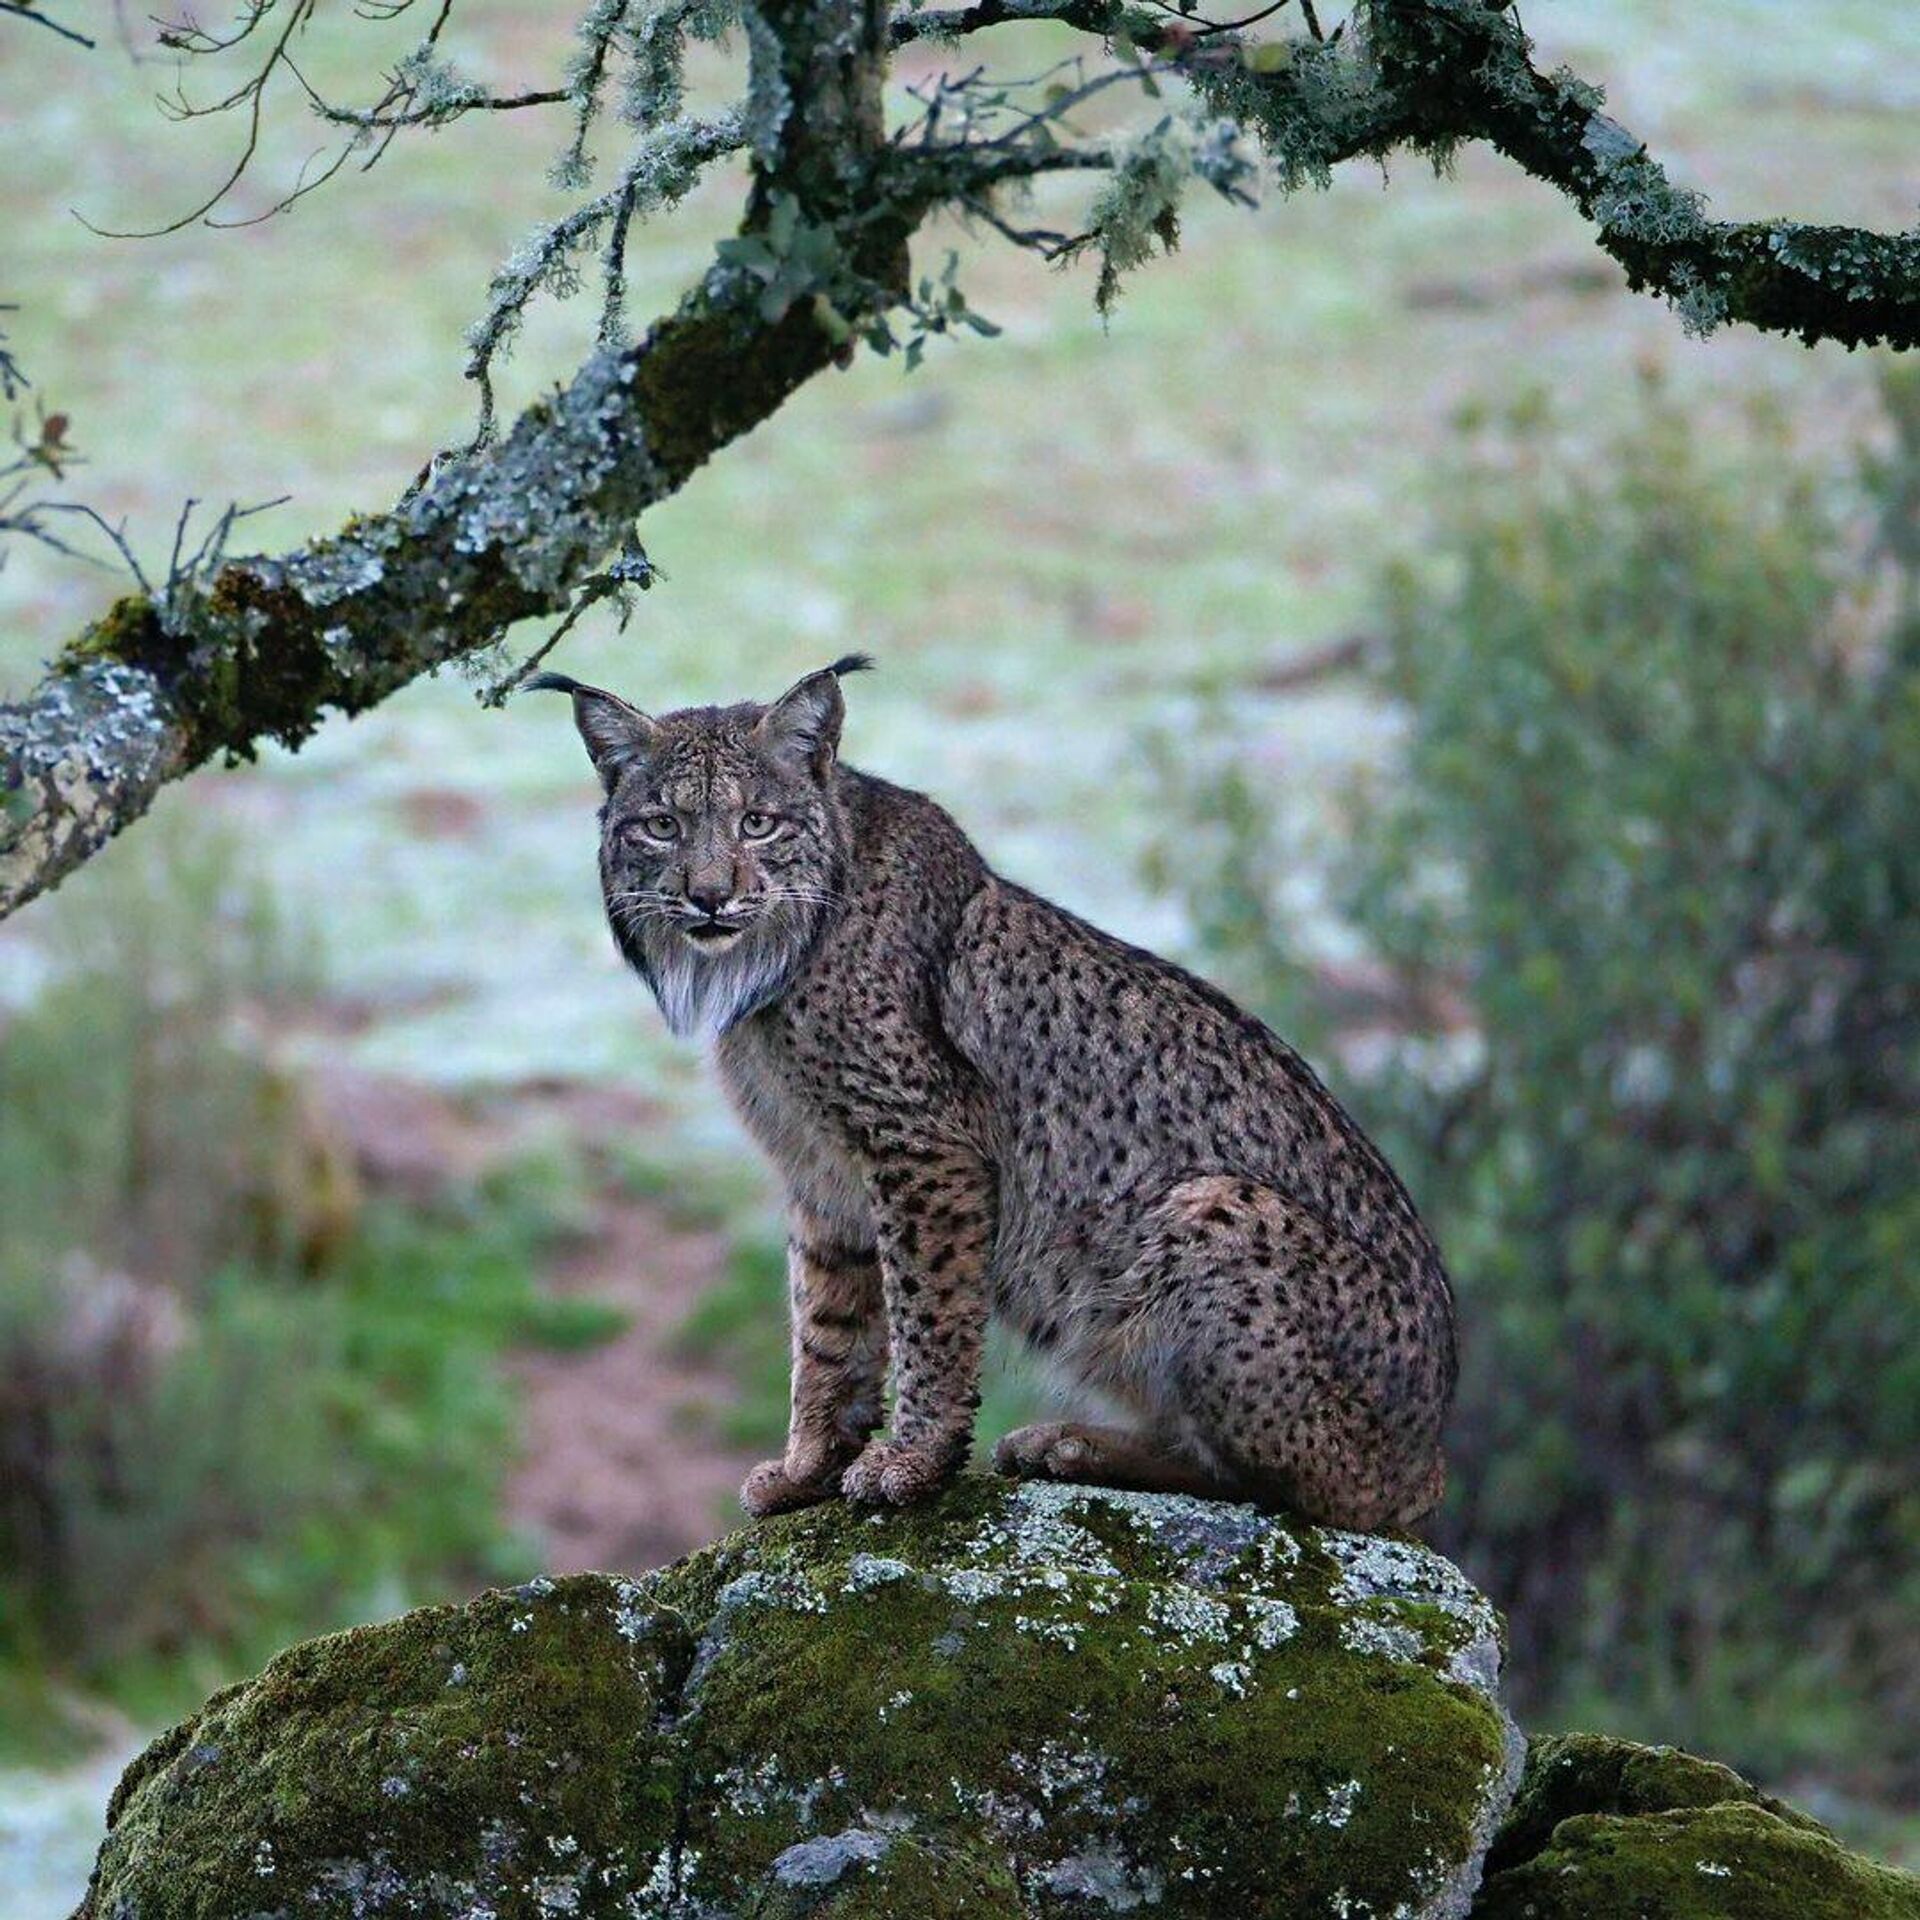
662	166
1434	75
270	644
1103	17
1460	70
262	648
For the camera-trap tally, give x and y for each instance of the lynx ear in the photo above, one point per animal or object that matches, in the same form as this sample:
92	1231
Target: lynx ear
805	720
616	734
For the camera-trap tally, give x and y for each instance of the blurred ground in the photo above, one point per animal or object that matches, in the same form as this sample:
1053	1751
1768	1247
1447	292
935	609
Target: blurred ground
621	1467
620	1463
1063	546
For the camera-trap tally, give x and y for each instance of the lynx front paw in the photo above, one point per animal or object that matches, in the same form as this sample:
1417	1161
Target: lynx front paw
1049	1450
890	1475
770	1488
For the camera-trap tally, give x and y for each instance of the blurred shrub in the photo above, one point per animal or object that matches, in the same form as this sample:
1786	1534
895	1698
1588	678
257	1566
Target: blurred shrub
138	1114
1639	1018
236	1403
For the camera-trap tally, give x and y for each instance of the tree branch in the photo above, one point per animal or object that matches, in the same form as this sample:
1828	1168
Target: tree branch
1460	70
271	644
22	9
1102	17
1436	74
266	646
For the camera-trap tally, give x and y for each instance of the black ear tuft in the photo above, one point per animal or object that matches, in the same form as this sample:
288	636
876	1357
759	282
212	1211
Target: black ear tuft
615	734
805	720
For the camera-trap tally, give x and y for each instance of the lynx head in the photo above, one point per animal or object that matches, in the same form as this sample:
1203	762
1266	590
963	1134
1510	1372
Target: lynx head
723	844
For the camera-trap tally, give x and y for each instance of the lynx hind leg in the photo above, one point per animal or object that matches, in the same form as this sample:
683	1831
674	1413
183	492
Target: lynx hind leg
1318	1373
1104	1457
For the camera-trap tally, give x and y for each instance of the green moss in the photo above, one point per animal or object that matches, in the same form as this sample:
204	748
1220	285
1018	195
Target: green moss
1577	1773
1733	1861
1013	1704
479	1754
1603	1829
128	631
229	692
1188	1726
1015	1701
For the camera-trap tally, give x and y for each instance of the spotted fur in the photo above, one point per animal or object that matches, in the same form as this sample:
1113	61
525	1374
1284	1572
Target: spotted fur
981	1105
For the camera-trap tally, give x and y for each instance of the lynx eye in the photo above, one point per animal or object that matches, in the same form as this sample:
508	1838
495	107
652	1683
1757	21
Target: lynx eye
757	826
655	826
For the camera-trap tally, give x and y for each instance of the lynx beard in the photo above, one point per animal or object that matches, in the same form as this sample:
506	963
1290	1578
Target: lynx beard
705	985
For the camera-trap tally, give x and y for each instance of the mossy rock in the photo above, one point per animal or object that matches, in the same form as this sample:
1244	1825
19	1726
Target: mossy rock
1017	1703
1607	1830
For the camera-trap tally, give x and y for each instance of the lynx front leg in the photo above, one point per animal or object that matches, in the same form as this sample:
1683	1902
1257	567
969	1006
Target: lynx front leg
839	1333
934	1210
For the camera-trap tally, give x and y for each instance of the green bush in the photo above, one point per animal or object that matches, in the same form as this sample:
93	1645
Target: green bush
238	1404
189	1490
135	1116
1642	894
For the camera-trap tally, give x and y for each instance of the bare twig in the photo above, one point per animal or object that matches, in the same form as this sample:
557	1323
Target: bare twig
401	104
12	380
116	535
388	118
23	11
631	573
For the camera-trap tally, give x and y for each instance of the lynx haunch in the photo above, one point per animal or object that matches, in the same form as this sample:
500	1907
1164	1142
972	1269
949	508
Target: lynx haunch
981	1106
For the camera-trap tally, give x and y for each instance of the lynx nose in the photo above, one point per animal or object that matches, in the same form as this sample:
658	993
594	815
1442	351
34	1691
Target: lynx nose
709	896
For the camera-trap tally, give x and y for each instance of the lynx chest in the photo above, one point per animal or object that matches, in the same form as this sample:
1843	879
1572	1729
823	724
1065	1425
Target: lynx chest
789	1108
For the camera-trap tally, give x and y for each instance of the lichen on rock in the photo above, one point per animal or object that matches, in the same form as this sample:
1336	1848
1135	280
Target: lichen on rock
1016	1701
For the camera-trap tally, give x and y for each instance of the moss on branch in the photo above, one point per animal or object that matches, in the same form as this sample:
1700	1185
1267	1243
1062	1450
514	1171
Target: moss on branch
267	646
1432	75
